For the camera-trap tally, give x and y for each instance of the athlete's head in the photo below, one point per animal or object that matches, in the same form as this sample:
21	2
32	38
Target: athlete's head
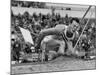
74	22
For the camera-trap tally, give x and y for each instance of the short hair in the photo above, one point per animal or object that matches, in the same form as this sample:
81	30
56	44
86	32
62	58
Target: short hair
74	19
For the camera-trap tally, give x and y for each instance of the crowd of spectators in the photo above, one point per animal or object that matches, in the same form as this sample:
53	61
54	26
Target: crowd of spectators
37	22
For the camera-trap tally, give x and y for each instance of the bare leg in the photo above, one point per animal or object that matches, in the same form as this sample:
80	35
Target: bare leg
43	33
61	47
70	49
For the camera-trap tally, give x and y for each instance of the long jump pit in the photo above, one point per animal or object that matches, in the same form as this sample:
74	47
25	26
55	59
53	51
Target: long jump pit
61	63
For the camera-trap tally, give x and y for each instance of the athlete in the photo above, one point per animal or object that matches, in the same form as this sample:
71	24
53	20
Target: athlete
60	30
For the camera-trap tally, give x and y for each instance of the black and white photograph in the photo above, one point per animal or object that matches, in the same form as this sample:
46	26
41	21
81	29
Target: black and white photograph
52	37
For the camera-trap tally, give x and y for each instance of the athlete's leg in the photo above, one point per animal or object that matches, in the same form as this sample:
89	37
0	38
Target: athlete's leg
43	33
61	47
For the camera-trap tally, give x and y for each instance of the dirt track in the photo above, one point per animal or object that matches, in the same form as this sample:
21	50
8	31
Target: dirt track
59	64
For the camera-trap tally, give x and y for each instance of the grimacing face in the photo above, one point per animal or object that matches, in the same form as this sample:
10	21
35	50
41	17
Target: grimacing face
75	25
